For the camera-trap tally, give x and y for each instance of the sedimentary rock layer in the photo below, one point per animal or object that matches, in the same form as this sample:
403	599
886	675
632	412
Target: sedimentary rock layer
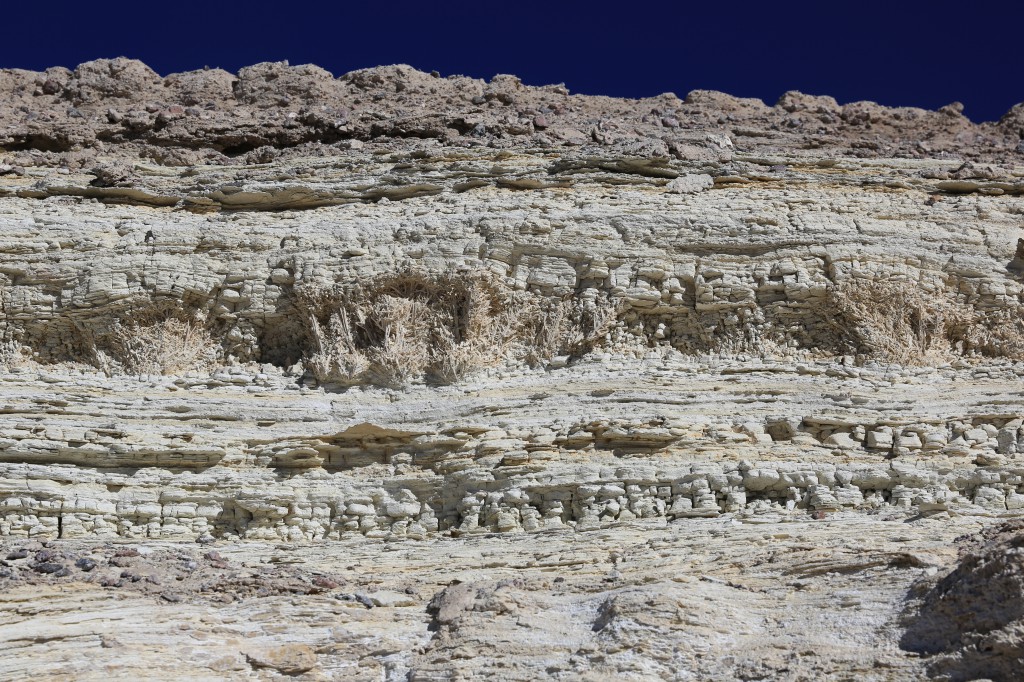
397	310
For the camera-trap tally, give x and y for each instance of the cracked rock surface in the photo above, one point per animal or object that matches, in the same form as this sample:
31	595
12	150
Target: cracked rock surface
395	376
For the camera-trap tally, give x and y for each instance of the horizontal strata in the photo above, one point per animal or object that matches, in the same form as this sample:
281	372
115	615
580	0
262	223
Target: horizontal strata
711	306
745	265
580	447
42	504
408	377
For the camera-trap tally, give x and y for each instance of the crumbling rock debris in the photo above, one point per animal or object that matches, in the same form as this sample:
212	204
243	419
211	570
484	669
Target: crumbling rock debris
690	184
448	604
969	621
112	175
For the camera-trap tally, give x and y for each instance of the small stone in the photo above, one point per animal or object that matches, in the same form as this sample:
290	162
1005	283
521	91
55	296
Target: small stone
85	564
450	603
172	597
909	439
880	440
506	522
401	510
290	659
843	441
109	642
281	276
325	582
17	554
978	435
690	184
540	122
391	599
50	567
45	555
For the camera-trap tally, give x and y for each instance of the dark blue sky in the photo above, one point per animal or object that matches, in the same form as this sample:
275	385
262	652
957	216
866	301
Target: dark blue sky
896	52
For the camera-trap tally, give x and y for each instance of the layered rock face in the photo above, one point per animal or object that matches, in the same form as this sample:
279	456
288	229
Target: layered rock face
390	307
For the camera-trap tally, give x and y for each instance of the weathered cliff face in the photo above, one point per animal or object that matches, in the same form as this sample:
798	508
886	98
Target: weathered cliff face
285	307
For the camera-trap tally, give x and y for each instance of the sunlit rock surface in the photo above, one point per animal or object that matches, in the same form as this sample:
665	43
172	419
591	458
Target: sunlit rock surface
396	376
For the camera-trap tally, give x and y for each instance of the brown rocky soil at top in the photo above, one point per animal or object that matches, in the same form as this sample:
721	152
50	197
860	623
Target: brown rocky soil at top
120	107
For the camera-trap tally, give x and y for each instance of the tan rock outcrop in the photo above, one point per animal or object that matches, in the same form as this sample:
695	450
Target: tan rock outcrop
509	360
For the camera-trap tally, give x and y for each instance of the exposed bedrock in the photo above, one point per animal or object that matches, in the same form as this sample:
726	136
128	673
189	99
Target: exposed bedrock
535	384
319	507
831	289
773	265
